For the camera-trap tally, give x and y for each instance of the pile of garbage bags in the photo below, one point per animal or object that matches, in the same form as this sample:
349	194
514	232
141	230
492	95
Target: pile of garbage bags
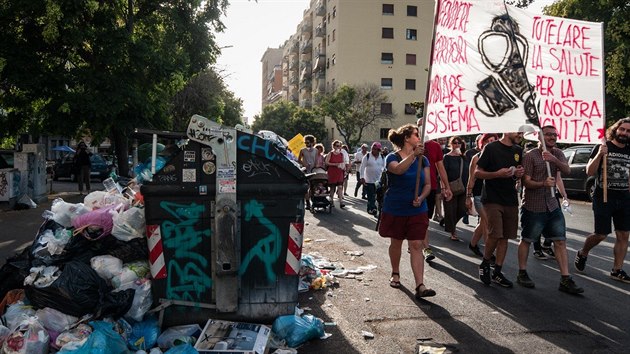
84	285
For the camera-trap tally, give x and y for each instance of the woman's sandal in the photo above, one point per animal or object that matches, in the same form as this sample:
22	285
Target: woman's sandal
394	283
454	238
426	292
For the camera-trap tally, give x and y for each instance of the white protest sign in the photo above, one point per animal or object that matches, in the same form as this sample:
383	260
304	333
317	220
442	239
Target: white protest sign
479	84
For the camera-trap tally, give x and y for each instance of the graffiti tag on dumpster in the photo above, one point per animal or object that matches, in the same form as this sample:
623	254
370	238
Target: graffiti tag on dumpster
267	250
253	143
187	269
255	167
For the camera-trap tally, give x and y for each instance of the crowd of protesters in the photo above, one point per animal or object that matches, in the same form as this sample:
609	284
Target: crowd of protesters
500	182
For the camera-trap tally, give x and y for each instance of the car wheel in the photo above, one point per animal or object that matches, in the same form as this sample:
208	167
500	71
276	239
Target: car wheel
590	190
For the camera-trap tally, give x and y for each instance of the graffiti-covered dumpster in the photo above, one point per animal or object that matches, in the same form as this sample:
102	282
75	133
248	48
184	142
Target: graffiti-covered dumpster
224	225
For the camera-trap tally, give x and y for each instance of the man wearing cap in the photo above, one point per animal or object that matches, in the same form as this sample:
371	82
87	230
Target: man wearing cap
358	157
372	165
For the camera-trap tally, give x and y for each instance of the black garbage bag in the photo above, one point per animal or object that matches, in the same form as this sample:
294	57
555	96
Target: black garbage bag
77	291
115	304
130	251
77	249
13	272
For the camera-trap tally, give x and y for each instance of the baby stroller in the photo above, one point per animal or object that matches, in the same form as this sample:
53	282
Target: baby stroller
318	191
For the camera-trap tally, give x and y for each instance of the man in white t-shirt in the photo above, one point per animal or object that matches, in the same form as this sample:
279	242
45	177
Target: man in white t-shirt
371	167
358	157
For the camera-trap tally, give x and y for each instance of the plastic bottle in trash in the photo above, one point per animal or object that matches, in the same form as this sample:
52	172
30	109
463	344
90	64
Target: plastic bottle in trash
566	206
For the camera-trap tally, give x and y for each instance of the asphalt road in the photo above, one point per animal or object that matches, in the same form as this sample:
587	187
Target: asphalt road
465	316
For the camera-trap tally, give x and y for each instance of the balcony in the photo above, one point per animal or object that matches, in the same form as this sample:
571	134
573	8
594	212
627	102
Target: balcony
307	27
306	74
295	46
306	47
293	80
320	9
320	30
293	65
306	84
320	62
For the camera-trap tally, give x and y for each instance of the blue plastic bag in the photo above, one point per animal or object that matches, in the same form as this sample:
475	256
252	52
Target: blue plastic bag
144	334
104	340
182	349
297	330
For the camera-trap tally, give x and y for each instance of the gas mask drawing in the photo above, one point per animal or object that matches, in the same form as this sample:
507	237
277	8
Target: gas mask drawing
502	48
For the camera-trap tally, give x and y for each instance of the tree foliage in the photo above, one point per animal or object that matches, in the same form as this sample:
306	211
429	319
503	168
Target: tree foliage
206	94
102	66
519	3
354	110
614	14
287	120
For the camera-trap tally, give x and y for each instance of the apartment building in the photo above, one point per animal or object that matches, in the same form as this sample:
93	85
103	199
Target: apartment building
357	42
271	76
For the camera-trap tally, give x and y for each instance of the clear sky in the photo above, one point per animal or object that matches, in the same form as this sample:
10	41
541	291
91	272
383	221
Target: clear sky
251	28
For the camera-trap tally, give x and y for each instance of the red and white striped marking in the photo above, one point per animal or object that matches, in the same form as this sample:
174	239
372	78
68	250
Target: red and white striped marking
294	249
156	252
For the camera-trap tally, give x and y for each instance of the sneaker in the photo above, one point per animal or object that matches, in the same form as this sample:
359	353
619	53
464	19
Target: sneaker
428	254
524	279
493	260
475	249
549	252
540	255
500	279
580	262
620	275
437	218
568	286
484	272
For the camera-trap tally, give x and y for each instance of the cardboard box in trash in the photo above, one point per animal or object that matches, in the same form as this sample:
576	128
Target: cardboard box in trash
233	337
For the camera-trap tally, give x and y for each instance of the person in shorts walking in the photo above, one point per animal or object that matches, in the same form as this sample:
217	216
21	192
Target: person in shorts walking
617	208
500	167
404	215
541	212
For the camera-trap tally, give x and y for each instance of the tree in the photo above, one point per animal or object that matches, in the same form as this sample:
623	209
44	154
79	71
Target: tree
102	66
355	110
519	3
287	120
207	95
614	14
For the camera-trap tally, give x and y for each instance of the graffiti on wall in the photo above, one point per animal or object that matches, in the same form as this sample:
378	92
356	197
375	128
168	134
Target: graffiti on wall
258	167
267	249
188	270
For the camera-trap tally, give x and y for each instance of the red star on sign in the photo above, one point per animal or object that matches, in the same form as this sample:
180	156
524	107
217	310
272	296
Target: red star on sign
602	133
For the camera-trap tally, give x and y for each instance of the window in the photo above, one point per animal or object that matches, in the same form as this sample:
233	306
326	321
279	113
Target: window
328	39
334	35
412	10
388	32
329	18
581	156
388	9
409	109
410	84
334	59
386	108
386	83
384	133
410	59
334	11
387	58
412	34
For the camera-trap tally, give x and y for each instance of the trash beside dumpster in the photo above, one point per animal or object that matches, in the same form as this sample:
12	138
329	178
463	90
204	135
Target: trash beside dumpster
224	222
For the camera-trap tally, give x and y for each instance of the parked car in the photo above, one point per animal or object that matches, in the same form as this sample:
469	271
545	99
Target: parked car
64	168
577	181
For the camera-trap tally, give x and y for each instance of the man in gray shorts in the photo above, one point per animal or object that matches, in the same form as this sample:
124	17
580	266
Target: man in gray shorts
540	211
617	208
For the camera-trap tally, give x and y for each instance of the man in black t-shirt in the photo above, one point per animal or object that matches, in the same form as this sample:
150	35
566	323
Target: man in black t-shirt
500	167
617	208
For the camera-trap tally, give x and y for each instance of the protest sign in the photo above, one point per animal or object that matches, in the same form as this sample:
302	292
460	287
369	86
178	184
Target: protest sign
496	68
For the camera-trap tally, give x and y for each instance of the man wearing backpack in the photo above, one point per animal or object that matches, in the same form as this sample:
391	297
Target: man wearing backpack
372	165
